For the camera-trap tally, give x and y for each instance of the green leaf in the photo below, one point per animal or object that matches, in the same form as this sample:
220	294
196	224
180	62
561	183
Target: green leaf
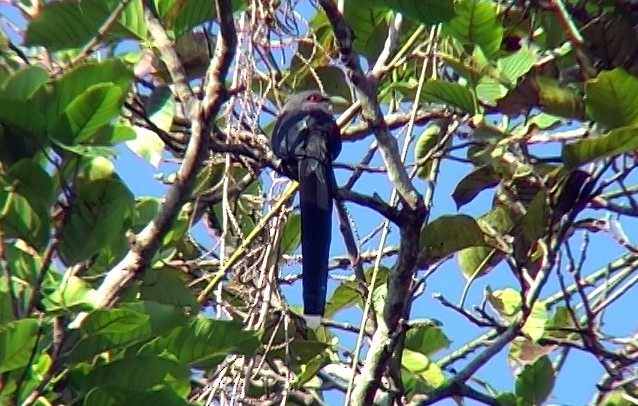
477	23
454	94
421	366
424	11
71	24
106	395
425	338
507	303
611	98
479	179
447	235
509	69
136	373
535	382
348	294
125	325
559	100
30	180
22	130
98	218
205	340
55	97
17	340
181	16
24	83
24	207
147	145
165	286
428	139
160	107
72	294
345	295
90	112
619	141
330	78
291	237
478	261
534	222
514	66
369	24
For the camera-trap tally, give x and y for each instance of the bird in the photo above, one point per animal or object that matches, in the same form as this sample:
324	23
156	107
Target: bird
307	140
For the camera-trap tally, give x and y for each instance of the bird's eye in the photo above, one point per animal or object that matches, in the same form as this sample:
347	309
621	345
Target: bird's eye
314	98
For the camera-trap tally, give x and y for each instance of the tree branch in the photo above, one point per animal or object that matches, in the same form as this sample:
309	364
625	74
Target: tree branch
137	259
370	109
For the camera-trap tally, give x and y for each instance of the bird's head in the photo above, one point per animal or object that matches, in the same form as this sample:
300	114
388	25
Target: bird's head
308	100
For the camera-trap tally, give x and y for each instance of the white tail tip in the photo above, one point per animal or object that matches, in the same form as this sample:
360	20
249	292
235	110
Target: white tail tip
313	321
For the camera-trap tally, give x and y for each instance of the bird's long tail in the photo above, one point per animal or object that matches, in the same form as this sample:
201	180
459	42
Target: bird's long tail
315	182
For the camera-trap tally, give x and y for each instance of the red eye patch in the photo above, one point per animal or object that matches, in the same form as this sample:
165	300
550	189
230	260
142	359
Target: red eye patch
315	98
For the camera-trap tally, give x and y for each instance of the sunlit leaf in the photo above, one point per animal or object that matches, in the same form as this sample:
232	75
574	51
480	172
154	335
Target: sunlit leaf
17	340
24	83
423	11
449	93
71	24
535	382
476	23
147	145
612	98
619	141
98	217
426	142
447	235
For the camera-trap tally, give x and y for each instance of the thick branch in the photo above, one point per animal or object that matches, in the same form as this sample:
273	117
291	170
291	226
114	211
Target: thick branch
370	109
385	337
137	259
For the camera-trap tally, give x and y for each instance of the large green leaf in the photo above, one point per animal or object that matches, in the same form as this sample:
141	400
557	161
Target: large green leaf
55	97
369	24
71	24
205	340
89	112
137	373
165	286
425	338
426	370
611	98
509	70
291	237
107	395
22	130
17	340
476	23
423	11
181	16
98	217
428	139
619	141
73	293
26	191
454	94
24	83
125	325
507	303
147	145
446	235
479	179
480	260
535	382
